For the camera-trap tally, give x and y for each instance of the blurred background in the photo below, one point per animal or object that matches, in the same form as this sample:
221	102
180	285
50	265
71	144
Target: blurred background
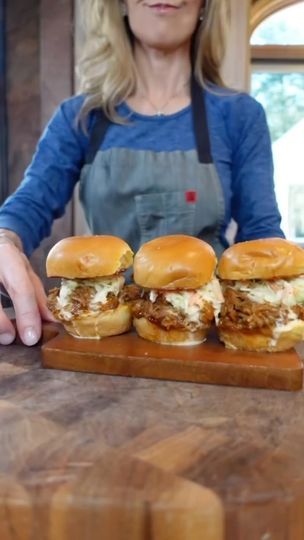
40	41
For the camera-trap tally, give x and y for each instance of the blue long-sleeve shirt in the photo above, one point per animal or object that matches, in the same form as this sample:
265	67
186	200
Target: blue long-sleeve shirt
240	146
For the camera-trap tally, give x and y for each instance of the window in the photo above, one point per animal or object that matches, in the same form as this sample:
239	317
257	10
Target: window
285	27
277	52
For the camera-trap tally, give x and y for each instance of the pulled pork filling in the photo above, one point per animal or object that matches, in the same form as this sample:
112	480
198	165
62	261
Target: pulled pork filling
266	306
78	297
180	310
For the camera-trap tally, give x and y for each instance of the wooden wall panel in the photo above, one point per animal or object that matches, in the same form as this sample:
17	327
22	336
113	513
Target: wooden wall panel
56	54
3	108
79	223
23	101
236	65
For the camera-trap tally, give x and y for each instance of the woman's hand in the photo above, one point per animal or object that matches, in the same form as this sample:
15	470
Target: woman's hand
25	290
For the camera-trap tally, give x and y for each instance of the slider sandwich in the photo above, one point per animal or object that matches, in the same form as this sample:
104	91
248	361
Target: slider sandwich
263	287
91	268
180	295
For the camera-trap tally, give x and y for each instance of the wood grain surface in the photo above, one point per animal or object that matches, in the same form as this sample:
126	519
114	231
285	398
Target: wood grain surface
210	362
87	457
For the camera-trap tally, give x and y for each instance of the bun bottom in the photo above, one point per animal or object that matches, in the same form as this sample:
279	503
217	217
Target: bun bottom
103	324
256	342
152	332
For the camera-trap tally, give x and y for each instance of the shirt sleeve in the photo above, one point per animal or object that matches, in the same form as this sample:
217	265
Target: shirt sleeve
254	205
49	180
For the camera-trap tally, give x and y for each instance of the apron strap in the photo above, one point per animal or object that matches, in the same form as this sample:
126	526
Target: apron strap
199	119
101	125
200	122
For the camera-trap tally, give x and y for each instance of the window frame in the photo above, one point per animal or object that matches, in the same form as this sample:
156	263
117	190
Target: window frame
274	58
291	54
261	9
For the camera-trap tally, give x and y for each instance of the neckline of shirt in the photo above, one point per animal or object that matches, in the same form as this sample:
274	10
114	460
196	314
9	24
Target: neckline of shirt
128	112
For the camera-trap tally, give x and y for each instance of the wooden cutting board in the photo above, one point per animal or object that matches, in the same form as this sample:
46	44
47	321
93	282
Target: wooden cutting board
130	356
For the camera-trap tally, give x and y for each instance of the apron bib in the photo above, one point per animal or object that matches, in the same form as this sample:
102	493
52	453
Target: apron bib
139	195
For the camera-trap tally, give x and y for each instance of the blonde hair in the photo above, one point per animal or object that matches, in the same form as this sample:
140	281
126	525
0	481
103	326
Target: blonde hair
107	71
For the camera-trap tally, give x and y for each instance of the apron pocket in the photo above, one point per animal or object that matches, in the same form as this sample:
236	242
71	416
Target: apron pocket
160	214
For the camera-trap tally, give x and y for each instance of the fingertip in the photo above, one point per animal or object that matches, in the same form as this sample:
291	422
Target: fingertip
7	329
30	336
7	338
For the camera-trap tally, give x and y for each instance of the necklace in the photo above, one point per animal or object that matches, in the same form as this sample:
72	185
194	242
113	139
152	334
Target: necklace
160	111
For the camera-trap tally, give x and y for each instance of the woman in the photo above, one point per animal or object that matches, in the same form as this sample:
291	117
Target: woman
161	146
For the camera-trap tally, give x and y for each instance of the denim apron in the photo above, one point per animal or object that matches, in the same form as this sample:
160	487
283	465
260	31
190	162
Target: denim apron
141	194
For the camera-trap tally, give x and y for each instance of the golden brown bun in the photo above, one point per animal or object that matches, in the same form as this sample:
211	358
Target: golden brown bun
261	259
88	257
152	332
174	262
259	342
107	323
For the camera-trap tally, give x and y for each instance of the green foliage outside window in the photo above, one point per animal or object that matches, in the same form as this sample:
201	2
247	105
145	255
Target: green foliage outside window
282	96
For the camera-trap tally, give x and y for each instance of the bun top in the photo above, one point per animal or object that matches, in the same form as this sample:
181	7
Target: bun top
266	258
88	257
174	262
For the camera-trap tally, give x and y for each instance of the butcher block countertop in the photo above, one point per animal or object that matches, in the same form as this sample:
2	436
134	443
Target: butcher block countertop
95	457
